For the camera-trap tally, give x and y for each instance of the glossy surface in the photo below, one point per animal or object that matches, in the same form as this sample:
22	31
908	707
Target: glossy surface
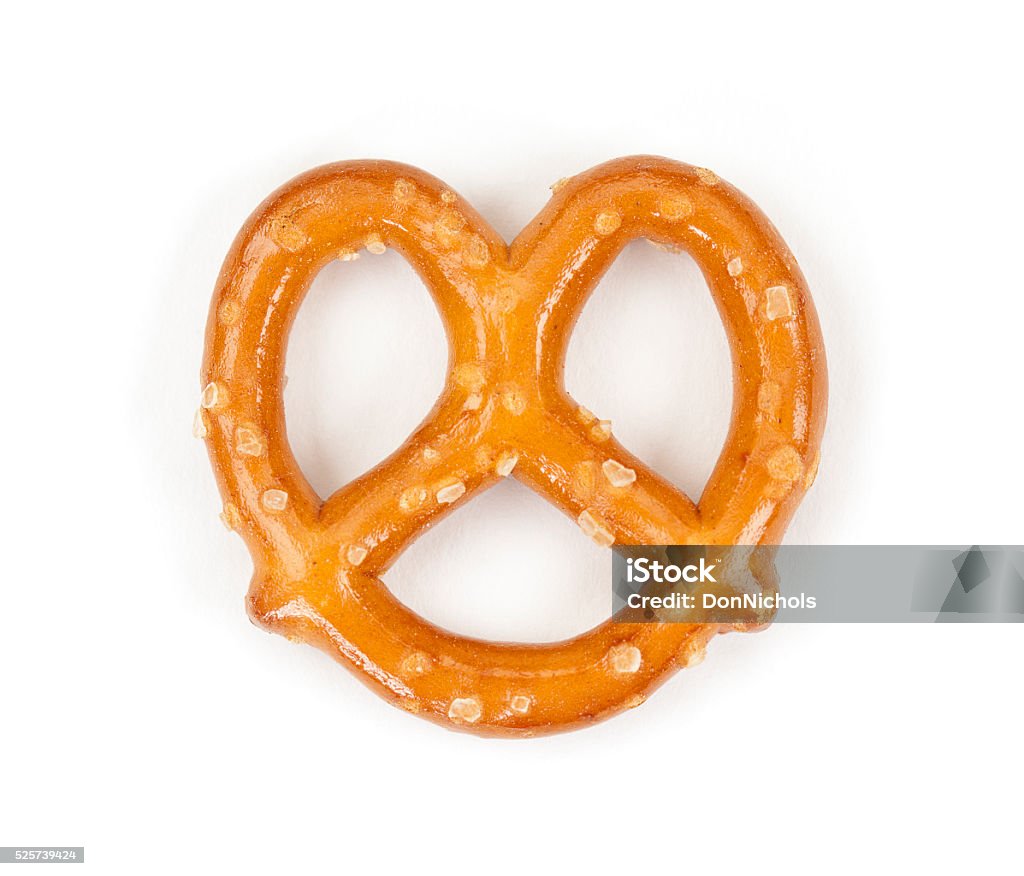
508	312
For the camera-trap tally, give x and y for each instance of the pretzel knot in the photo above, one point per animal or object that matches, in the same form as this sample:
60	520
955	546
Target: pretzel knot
508	312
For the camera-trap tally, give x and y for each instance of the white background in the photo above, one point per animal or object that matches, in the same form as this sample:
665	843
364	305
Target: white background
142	715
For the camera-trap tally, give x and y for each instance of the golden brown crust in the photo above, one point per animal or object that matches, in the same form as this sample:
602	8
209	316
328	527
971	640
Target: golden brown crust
508	312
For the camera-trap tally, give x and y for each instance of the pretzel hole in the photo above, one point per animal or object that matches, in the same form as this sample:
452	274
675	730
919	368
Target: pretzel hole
366	361
512	569
650	354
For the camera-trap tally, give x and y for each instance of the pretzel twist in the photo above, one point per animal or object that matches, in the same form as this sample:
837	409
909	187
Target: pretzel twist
508	312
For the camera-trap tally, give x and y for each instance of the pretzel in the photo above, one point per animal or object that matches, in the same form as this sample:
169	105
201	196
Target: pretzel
508	311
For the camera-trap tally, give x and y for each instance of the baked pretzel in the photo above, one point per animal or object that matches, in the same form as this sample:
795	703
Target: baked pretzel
508	312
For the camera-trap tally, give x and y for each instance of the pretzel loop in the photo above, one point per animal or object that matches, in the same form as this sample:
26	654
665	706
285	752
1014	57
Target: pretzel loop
508	313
